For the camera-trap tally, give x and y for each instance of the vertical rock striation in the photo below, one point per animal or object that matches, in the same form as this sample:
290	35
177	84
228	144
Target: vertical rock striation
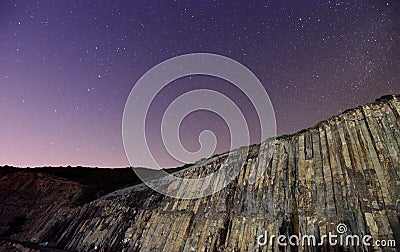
344	170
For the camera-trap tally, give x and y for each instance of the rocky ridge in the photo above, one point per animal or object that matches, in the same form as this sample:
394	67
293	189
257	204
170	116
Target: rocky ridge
344	170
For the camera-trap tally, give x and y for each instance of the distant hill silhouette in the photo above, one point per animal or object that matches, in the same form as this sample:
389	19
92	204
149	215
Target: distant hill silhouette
97	182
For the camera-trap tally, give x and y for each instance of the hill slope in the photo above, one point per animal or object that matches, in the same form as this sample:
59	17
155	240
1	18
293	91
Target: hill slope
344	170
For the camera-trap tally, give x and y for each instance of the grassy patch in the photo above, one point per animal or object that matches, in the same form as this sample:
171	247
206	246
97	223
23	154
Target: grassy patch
384	98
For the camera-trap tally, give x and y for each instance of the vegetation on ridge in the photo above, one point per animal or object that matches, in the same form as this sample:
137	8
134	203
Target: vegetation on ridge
100	181
384	98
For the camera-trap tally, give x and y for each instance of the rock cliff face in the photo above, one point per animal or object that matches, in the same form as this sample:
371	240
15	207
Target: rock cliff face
31	200
344	170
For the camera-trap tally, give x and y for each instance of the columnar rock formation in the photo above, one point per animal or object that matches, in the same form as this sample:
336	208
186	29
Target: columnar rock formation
344	170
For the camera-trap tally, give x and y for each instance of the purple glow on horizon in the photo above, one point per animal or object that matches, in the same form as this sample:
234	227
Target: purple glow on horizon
67	67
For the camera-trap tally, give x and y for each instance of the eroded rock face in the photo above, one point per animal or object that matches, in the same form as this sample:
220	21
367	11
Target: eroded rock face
30	200
345	170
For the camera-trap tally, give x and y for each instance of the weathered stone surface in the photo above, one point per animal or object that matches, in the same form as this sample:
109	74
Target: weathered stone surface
36	197
345	170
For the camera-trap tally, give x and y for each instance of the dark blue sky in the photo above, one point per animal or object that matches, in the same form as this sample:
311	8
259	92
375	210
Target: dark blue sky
67	67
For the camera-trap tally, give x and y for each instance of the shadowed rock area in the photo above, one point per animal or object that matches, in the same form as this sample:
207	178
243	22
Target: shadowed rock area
343	170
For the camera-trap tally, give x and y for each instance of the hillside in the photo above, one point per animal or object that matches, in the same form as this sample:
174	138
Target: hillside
345	170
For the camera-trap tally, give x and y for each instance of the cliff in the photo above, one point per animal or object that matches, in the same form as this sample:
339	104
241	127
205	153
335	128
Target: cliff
344	170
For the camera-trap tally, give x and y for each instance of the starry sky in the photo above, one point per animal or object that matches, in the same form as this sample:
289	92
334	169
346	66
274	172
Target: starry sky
67	68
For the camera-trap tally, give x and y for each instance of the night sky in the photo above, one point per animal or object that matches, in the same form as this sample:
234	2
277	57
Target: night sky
67	67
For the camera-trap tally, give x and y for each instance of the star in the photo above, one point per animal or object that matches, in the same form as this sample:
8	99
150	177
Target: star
77	64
